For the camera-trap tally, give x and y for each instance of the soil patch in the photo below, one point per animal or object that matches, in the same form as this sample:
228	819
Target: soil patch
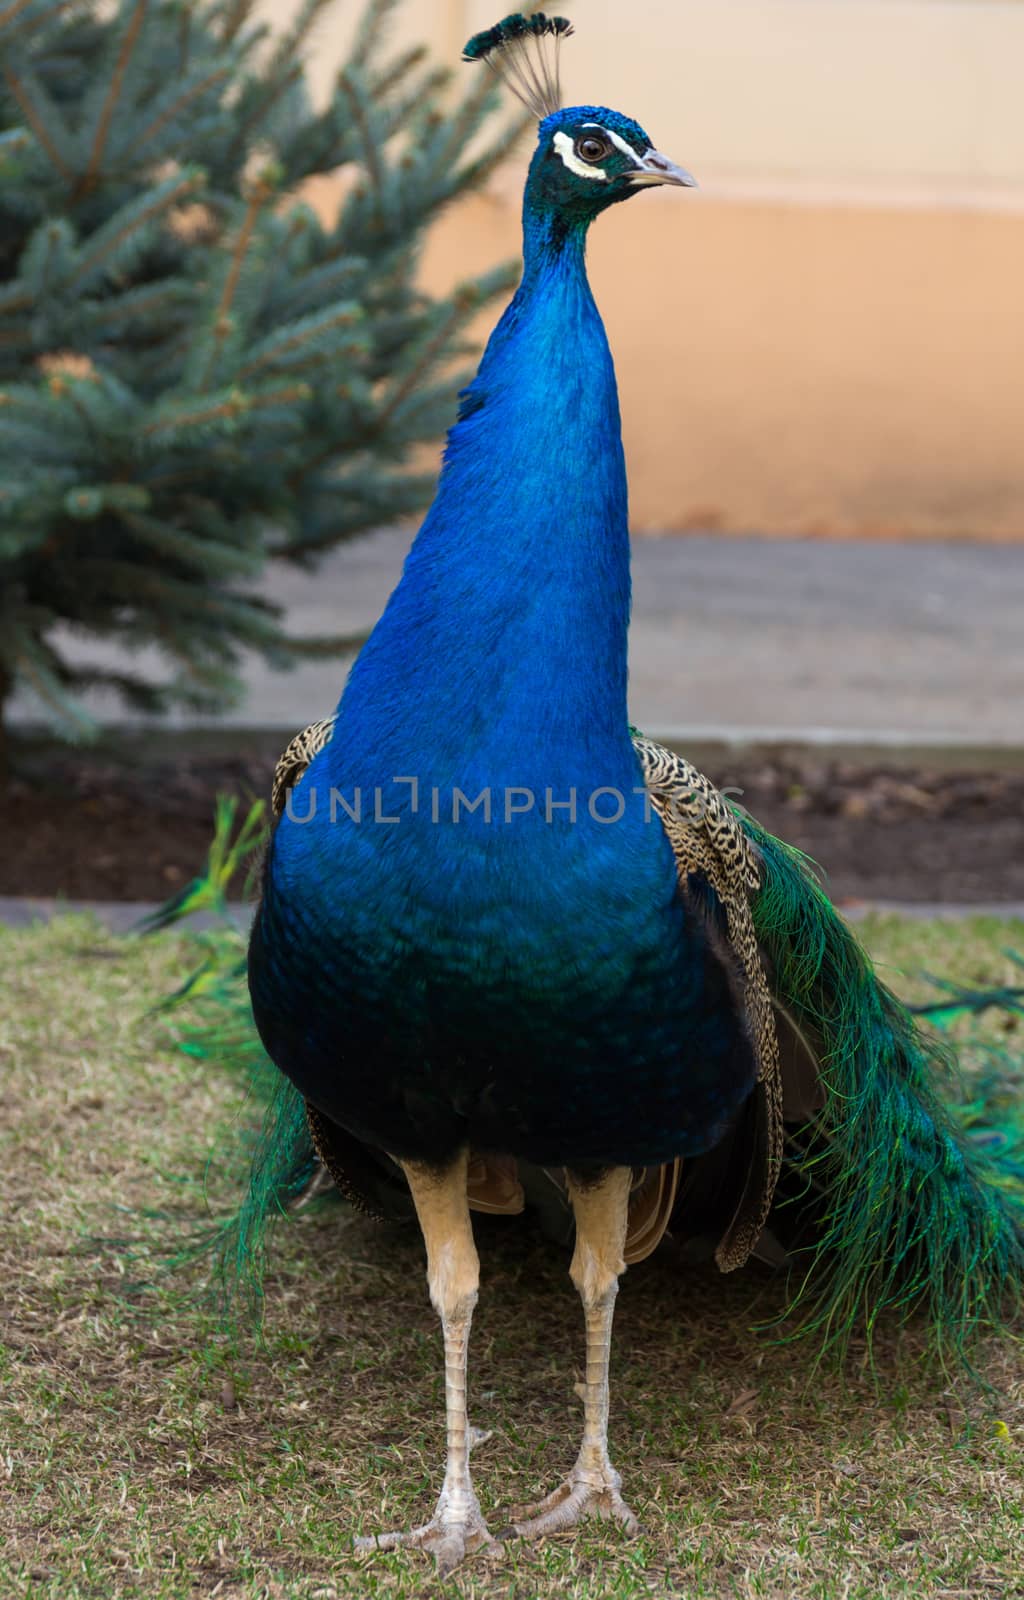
136	826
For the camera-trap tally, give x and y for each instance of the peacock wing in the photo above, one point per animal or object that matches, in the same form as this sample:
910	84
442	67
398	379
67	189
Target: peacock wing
296	758
719	870
370	1181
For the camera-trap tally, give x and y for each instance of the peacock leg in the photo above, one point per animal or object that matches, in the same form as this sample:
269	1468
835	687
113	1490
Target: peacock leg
592	1487
453	1275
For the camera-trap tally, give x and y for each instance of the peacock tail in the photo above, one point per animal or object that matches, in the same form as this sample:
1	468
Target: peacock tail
991	1113
219	1029
918	1212
904	1195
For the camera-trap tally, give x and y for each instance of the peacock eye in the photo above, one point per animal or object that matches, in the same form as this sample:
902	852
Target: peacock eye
589	148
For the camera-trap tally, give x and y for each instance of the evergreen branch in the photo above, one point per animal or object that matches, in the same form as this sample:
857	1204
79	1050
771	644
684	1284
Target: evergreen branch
324	647
225	410
412	114
87	182
203	555
258	110
184	38
33	440
44	13
17	338
46	256
236	405
136	692
106	240
178	106
145	300
258	197
371	157
19	89
13	142
265	399
250	615
296	338
398	70
333	276
13	12
369	30
468	115
367	505
70	391
39	665
15	297
466	298
292	41
237	15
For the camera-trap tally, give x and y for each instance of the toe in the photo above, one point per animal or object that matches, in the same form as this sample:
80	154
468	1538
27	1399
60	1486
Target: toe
614	1508
570	1503
449	1552
448	1541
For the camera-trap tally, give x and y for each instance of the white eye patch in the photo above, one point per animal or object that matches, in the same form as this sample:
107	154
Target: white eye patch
563	144
617	141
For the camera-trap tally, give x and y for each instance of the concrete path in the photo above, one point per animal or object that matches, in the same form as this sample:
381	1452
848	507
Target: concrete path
773	639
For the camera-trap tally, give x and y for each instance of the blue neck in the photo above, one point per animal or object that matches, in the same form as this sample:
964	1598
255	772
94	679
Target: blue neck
507	633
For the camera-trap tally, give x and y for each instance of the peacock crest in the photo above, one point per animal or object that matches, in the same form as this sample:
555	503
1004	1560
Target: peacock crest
519	51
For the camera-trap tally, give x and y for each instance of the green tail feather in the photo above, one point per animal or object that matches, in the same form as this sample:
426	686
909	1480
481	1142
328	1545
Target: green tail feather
922	1197
992	1118
227	854
283	1164
283	1160
919	1216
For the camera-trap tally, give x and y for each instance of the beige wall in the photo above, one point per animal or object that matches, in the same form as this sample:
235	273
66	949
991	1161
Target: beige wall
829	338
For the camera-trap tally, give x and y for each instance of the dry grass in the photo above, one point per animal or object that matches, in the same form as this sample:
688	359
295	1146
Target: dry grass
141	1456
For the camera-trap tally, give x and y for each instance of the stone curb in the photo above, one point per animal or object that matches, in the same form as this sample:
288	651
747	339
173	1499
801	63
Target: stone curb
703	744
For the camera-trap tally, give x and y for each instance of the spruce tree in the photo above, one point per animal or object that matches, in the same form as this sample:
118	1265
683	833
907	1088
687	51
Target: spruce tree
198	376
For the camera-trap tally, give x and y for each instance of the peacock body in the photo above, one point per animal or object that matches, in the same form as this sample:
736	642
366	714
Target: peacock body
508	962
501	934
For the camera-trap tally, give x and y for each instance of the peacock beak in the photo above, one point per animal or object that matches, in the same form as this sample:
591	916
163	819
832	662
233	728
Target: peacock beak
656	168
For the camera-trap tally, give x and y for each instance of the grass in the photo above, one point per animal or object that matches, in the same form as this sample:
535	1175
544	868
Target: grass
142	1454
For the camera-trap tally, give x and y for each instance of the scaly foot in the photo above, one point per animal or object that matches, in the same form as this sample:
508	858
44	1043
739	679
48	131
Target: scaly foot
585	1493
455	1531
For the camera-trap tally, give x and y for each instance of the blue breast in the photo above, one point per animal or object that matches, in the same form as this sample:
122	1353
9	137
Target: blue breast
471	929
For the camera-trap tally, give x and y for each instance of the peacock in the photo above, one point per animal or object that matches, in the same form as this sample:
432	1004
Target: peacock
509	953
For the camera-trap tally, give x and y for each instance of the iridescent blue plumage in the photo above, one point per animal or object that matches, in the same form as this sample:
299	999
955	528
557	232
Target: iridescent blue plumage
529	982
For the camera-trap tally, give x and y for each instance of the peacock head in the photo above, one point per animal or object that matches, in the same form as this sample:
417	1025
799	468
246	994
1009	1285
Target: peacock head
587	157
